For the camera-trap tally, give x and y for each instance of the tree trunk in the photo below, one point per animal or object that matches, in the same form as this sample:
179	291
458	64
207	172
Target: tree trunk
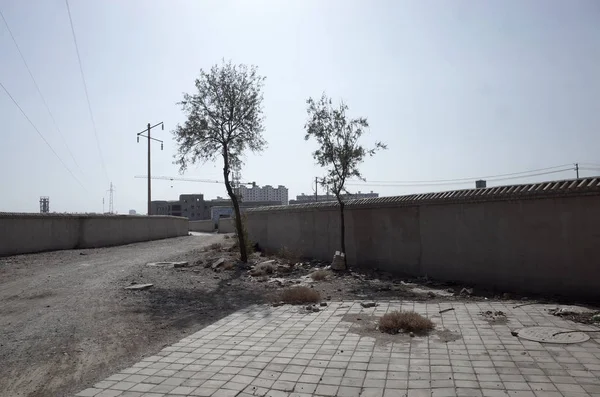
343	231
236	208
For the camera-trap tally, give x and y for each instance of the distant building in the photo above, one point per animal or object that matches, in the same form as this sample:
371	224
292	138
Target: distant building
195	208
480	184
132	212
310	198
265	193
217	212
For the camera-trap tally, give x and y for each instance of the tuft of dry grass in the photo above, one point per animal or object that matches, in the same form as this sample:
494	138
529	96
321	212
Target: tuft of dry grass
215	247
300	295
288	254
263	269
320	275
397	321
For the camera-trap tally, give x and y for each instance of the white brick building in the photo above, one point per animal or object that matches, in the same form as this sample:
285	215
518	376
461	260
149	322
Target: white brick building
265	193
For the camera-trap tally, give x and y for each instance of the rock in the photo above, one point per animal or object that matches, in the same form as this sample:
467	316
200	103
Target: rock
596	318
338	261
315	309
367	305
466	291
412	334
139	287
514	333
309	308
277	304
323	304
217	263
506	295
451	290
431	294
328	298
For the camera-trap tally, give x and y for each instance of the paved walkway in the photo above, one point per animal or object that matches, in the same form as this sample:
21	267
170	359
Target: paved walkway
286	352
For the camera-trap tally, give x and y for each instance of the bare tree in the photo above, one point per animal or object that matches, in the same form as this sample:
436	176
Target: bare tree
224	118
339	151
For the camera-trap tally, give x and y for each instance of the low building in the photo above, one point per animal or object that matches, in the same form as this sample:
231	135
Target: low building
227	211
308	198
195	208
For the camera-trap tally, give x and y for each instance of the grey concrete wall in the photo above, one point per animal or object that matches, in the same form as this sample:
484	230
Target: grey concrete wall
27	233
226	225
202	226
540	245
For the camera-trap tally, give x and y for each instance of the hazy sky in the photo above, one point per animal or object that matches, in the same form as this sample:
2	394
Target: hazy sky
455	88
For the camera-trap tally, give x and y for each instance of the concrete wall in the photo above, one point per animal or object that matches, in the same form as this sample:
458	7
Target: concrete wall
202	226
226	225
546	245
26	233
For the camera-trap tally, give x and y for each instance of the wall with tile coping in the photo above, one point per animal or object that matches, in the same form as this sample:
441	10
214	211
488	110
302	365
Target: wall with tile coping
536	244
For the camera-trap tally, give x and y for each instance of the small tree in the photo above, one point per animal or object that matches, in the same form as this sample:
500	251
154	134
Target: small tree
339	150
224	117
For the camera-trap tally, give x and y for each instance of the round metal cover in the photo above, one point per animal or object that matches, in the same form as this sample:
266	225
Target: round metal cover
552	335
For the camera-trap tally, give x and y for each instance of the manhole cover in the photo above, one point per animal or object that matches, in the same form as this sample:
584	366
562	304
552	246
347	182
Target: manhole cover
552	335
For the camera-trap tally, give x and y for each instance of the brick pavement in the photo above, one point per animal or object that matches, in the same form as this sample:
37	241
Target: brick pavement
285	352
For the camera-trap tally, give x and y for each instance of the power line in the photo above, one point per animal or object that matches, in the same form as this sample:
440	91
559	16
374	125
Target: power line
40	93
41	135
456	182
435	181
87	97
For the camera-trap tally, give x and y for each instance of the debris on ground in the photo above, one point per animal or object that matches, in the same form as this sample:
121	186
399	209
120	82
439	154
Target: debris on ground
446	310
577	314
217	263
338	262
139	287
367	305
174	265
494	317
466	292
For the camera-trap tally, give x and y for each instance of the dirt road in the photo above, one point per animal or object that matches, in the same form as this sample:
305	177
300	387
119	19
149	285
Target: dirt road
66	320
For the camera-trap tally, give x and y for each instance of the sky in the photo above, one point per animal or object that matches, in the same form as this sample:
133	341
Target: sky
456	89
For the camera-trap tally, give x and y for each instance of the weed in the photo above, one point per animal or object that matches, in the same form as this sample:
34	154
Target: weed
215	247
288	254
320	275
397	321
300	295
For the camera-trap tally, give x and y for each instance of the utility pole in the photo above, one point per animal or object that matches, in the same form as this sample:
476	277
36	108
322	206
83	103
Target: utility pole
110	200
577	170
147	131
103	205
316	187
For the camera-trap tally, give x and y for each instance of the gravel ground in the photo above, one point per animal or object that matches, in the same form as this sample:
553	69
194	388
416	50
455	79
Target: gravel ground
66	320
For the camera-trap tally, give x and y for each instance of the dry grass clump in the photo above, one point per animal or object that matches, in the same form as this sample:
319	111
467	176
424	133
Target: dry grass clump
288	254
215	247
263	269
320	275
300	295
397	321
